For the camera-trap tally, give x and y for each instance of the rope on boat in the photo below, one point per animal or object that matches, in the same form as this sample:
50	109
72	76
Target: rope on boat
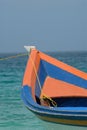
44	96
35	72
15	56
25	54
50	99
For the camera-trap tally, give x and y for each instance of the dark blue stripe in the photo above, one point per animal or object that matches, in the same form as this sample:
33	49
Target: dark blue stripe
63	75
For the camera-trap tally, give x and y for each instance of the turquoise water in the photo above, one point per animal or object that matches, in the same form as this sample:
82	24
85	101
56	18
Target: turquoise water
13	114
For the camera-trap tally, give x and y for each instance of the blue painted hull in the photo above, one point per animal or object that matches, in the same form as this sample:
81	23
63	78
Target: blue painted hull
56	115
61	83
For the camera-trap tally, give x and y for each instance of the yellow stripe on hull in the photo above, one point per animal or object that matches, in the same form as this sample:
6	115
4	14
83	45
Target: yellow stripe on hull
65	121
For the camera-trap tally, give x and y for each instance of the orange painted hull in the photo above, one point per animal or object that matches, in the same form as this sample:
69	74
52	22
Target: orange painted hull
59	82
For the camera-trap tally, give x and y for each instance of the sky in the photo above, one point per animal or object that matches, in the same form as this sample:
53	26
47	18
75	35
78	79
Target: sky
50	25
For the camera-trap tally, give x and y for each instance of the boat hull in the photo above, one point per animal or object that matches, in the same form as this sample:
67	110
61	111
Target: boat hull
60	83
64	121
52	114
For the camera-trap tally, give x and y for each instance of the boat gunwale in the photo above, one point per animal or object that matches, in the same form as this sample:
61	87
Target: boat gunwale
40	108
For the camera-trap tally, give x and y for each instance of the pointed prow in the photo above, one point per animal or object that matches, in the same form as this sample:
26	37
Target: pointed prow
29	48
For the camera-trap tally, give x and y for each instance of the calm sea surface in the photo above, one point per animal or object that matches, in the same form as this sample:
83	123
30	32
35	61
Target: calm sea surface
13	114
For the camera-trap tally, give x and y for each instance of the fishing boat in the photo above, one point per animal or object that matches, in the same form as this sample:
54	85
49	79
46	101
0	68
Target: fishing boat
54	91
